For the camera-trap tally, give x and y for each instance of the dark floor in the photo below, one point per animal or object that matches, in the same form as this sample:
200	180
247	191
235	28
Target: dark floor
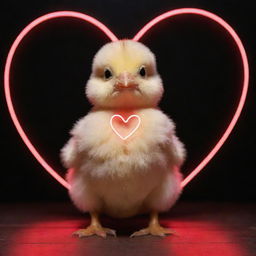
204	229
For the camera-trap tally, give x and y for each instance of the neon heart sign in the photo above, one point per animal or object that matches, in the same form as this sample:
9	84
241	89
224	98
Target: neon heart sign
132	131
137	37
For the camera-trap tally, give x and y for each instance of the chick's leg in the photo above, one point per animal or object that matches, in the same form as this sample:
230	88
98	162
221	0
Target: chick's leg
154	228
95	228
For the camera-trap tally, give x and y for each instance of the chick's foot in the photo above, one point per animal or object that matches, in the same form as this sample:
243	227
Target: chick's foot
154	228
94	228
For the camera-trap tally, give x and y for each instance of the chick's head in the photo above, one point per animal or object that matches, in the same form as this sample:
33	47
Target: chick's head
124	75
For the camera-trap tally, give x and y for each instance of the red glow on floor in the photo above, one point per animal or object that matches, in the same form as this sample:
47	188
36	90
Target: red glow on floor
195	238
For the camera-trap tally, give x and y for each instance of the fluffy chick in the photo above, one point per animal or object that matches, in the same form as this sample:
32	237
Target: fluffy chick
123	178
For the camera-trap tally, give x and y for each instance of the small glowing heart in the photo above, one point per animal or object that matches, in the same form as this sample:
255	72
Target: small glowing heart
132	131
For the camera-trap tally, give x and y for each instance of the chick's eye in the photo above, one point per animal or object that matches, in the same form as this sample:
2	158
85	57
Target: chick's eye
107	74
142	72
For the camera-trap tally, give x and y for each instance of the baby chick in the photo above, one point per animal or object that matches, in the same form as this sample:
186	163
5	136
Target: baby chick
123	178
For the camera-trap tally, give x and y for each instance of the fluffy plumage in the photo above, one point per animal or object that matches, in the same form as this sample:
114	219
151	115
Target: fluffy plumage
113	176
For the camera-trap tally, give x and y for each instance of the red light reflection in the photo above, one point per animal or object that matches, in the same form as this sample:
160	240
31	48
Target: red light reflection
195	238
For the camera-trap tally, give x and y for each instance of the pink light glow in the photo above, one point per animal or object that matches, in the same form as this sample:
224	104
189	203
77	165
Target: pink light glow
240	46
11	53
137	37
196	236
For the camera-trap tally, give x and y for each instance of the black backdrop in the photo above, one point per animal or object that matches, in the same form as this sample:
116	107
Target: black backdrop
199	64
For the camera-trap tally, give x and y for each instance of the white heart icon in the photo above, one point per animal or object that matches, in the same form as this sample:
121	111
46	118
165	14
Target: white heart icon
133	130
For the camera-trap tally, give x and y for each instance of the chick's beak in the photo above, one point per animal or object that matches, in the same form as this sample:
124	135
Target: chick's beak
126	81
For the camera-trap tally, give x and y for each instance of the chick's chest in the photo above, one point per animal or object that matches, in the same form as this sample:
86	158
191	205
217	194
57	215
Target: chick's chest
137	129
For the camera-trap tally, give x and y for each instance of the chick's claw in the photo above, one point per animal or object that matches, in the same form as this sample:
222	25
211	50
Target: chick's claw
155	230
94	230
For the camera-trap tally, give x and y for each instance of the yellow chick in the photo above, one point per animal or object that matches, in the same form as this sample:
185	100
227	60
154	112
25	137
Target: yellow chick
117	177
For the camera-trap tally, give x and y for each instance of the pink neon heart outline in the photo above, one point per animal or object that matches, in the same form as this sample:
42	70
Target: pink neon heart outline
125	121
137	37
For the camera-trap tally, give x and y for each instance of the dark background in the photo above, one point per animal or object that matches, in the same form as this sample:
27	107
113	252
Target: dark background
197	59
